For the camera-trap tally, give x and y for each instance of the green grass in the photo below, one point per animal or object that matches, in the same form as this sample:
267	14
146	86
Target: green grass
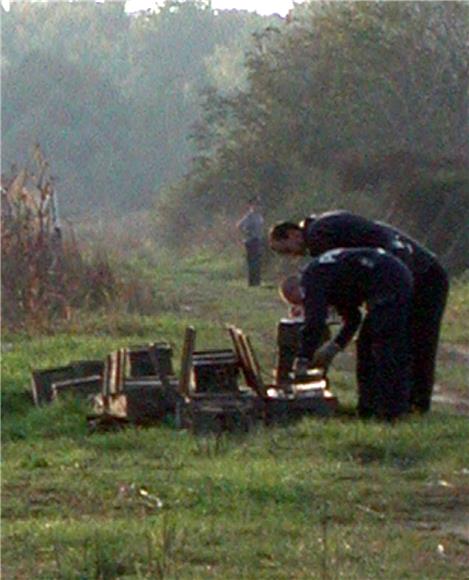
337	498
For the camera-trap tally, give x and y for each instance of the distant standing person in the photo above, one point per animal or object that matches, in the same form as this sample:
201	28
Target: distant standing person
252	227
342	229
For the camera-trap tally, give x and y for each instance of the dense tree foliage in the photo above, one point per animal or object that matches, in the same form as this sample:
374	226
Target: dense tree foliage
355	104
111	96
361	104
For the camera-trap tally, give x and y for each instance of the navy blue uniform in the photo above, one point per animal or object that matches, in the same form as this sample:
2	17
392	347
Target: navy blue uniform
347	279
341	229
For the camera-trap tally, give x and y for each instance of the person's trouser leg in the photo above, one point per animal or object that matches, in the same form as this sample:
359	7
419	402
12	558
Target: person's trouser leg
390	358
364	371
253	255
430	295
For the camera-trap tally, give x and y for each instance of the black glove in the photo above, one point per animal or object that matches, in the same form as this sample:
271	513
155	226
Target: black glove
324	355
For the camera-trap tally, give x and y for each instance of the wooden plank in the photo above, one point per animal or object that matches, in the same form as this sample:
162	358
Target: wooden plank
106	375
253	379
109	379
258	382
243	360
113	374
84	386
186	361
153	358
121	357
256	366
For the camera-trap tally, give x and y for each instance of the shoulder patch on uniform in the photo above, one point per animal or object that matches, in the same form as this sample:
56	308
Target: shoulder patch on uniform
399	244
330	257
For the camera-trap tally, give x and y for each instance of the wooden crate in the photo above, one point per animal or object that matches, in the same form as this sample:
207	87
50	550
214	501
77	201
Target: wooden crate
151	359
80	377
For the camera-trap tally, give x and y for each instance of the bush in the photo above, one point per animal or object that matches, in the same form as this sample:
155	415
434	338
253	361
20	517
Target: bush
46	273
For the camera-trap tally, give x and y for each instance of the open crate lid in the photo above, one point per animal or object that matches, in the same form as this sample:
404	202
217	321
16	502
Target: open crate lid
315	383
248	361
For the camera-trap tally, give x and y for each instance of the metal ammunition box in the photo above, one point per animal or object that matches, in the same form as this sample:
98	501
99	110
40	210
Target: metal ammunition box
215	413
215	371
154	359
288	341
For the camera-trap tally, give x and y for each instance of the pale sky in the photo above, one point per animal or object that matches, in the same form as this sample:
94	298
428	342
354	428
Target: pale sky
261	6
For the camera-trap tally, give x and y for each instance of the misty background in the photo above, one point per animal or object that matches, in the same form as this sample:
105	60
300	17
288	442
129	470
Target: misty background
188	112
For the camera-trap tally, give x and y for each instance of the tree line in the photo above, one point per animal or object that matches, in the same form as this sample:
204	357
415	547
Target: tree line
111	97
359	105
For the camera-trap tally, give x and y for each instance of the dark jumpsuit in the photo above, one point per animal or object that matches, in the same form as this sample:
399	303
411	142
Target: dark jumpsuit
341	229
347	279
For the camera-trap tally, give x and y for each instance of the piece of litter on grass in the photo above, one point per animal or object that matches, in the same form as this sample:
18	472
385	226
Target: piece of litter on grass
444	483
151	500
441	549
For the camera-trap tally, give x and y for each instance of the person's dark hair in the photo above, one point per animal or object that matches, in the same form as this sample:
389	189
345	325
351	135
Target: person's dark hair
280	230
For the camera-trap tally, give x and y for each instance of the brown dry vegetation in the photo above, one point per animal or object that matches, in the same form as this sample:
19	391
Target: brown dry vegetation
47	275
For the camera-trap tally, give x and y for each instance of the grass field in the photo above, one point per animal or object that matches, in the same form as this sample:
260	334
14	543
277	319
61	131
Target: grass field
336	498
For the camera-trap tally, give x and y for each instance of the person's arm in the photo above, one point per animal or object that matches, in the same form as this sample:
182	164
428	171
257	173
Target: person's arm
323	356
315	309
352	319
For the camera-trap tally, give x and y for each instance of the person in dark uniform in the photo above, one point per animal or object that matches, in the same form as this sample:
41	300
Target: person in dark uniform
252	227
348	279
341	229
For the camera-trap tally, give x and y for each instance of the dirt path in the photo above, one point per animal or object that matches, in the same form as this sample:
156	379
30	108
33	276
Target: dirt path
449	355
454	353
444	397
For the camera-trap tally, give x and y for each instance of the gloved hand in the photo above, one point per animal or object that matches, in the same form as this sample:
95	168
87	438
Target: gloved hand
324	355
300	366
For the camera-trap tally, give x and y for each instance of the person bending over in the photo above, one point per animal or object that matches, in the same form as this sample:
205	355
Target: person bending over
348	279
342	229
